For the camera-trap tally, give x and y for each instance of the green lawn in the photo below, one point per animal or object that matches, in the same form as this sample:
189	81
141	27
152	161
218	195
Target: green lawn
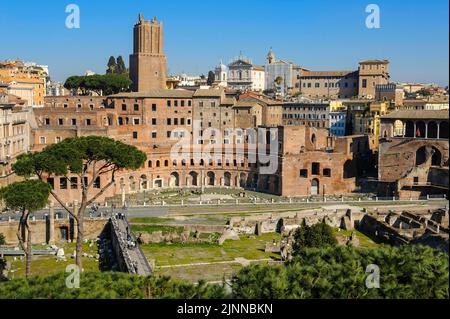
44	265
248	247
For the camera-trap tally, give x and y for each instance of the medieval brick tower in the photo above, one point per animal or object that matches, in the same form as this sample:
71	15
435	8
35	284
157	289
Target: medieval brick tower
148	62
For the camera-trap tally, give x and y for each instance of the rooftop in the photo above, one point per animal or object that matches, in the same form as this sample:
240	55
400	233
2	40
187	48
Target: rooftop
208	93
374	62
417	114
327	73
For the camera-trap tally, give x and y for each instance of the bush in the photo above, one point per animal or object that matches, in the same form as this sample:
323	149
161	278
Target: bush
317	235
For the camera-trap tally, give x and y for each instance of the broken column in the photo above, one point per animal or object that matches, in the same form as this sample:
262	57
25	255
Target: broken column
51	224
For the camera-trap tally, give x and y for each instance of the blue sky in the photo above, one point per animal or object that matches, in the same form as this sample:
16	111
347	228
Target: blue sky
316	34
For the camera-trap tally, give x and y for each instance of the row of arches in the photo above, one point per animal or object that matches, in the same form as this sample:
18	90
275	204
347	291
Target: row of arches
189	179
422	129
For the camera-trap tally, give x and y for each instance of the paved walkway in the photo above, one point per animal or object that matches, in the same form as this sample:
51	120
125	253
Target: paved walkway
134	257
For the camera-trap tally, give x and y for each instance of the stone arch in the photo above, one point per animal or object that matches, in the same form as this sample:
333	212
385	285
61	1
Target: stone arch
443	130
315	187
349	169
420	129
158	163
174	179
132	183
242	180
193	176
399	128
211	179
150	164
432	129
313	139
144	182
409	129
436	159
227	179
421	155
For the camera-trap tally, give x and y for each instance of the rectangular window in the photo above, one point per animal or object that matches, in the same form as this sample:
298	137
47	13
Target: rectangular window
42	140
175	121
189	103
97	182
327	172
47	121
153	134
315	170
136	107
182	121
74	121
182	103
135	135
153	121
51	182
169	121
88	122
304	173
60	122
153	107
169	103
73	183
175	103
364	83
124	107
63	183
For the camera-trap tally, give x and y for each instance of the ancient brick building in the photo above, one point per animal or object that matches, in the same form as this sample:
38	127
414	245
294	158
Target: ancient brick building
229	141
414	153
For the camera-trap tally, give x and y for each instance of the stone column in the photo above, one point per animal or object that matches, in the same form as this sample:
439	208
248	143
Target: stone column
51	224
415	130
438	129
426	129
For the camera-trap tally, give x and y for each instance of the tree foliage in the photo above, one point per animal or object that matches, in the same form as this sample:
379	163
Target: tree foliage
340	272
26	197
109	285
112	65
101	84
317	235
211	78
87	157
424	92
29	195
121	68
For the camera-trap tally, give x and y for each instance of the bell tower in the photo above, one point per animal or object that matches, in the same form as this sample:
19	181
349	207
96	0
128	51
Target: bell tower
148	62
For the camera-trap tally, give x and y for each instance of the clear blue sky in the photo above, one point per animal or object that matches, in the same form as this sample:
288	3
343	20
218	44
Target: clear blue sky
319	34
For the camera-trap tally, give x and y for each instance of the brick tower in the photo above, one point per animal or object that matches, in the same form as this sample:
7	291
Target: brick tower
148	62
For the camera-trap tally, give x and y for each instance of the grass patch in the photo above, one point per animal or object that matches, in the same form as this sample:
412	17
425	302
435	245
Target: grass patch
248	247
150	220
154	228
44	265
